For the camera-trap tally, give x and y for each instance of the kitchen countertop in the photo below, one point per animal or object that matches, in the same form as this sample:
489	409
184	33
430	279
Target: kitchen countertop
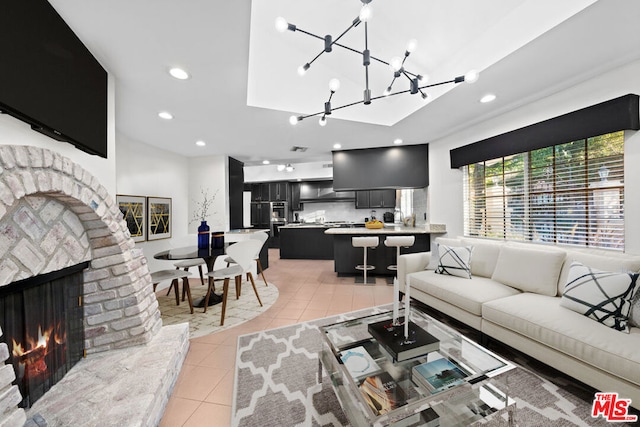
246	231
391	229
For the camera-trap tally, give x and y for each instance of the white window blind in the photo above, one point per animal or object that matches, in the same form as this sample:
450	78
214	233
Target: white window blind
571	193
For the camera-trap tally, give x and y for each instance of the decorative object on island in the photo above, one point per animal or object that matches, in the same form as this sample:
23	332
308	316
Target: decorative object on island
159	218
134	212
396	64
403	346
374	224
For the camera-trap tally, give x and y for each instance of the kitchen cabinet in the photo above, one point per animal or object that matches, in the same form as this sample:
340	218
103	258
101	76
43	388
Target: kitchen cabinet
278	191
305	243
366	199
260	215
260	192
294	199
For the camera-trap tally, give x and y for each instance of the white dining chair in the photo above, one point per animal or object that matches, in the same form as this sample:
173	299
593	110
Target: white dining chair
261	236
242	253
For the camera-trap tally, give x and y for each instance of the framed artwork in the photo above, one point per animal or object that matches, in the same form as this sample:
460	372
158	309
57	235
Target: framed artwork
134	212
158	218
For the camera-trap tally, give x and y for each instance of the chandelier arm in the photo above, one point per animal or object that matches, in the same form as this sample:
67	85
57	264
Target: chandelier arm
316	57
345	32
366	48
309	34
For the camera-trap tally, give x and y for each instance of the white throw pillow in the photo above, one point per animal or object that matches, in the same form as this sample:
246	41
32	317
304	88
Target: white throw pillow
433	261
529	269
454	260
603	296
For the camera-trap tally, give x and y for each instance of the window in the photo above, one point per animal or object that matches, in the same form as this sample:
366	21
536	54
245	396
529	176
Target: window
571	194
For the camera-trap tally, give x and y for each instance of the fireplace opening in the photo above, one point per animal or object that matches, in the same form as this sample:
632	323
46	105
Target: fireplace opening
42	320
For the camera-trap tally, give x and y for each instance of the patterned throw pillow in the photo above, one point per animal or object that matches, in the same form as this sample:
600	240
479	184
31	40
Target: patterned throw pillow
454	260
600	295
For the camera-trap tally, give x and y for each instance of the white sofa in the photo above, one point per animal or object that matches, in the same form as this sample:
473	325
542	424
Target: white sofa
514	296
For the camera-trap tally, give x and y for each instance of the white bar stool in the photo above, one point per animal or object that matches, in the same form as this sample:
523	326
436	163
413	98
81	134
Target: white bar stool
398	242
365	242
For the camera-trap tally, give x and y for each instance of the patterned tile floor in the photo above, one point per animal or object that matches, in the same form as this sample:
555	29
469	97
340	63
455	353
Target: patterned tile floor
309	289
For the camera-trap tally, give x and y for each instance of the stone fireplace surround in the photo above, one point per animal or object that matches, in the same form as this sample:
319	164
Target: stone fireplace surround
55	214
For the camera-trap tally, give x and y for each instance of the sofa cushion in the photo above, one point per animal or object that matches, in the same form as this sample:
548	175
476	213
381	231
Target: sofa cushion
600	295
543	319
602	260
454	261
468	295
433	262
485	256
528	269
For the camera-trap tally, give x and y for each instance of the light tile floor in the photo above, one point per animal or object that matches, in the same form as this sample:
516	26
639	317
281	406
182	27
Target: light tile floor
309	289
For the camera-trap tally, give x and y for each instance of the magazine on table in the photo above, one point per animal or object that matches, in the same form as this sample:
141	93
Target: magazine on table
382	393
358	361
438	375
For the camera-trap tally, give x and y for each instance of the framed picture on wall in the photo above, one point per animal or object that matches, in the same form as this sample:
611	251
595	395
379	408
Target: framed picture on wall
158	218
134	212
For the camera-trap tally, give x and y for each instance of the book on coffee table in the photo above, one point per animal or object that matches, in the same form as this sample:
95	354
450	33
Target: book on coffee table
382	393
392	339
438	375
358	361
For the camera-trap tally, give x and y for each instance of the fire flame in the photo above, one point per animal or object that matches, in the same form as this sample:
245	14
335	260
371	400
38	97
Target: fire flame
31	356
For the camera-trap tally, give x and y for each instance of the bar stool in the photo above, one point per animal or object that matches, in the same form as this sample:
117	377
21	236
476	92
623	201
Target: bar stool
174	276
398	242
365	242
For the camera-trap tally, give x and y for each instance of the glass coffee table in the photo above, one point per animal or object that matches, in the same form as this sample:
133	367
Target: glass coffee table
458	383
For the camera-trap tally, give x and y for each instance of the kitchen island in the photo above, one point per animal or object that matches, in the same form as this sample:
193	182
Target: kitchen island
306	241
346	257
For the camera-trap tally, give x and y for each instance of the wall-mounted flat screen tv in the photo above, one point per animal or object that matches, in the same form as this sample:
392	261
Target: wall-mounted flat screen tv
49	79
381	168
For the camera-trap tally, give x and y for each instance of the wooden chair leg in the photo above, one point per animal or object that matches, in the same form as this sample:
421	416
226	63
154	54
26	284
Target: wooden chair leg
185	286
224	300
201	275
171	286
254	288
206	298
155	285
175	285
186	270
238	280
262	272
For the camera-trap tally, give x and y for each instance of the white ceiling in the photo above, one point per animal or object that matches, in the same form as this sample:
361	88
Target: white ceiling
244	84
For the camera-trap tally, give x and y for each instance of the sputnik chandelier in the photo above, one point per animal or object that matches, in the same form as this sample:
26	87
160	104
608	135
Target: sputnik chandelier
396	64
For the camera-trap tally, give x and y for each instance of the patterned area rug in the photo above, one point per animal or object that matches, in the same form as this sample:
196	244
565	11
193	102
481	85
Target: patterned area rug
238	310
276	385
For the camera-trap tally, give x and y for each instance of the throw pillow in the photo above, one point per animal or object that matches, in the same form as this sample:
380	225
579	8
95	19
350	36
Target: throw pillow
454	260
600	295
434	260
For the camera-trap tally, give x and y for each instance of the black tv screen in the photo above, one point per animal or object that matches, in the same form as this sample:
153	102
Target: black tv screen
49	79
381	168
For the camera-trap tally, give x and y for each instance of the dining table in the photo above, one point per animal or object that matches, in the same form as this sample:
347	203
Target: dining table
209	256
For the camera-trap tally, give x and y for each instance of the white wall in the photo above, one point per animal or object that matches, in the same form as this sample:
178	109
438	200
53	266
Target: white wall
212	174
445	189
16	132
143	170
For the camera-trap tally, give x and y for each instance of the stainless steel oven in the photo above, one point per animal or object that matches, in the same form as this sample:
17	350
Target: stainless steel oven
279	212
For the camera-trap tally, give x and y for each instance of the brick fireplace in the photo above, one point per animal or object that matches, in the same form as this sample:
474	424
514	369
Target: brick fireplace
54	214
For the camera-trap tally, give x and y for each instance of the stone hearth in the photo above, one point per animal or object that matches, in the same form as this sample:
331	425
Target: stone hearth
55	214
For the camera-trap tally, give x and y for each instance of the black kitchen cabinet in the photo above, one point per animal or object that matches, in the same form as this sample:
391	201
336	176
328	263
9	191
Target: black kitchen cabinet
305	243
260	192
278	191
366	199
260	215
294	200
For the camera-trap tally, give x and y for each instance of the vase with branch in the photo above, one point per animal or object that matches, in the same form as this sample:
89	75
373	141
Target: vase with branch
201	213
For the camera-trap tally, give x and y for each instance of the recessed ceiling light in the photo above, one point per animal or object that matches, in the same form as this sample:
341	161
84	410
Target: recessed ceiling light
488	98
165	115
265	162
337	146
280	168
179	73
201	143
397	141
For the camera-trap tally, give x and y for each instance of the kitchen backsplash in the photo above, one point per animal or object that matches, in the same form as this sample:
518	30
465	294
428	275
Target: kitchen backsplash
336	211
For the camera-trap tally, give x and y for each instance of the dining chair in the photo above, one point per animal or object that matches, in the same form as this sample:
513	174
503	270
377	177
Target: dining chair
261	236
174	276
243	254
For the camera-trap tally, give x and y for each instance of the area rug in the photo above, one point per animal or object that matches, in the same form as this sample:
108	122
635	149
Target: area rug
238	310
276	385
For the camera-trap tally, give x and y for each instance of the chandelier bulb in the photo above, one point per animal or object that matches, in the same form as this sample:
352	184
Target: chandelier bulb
424	95
396	63
387	91
293	120
334	85
365	13
281	24
302	70
472	76
412	45
322	121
